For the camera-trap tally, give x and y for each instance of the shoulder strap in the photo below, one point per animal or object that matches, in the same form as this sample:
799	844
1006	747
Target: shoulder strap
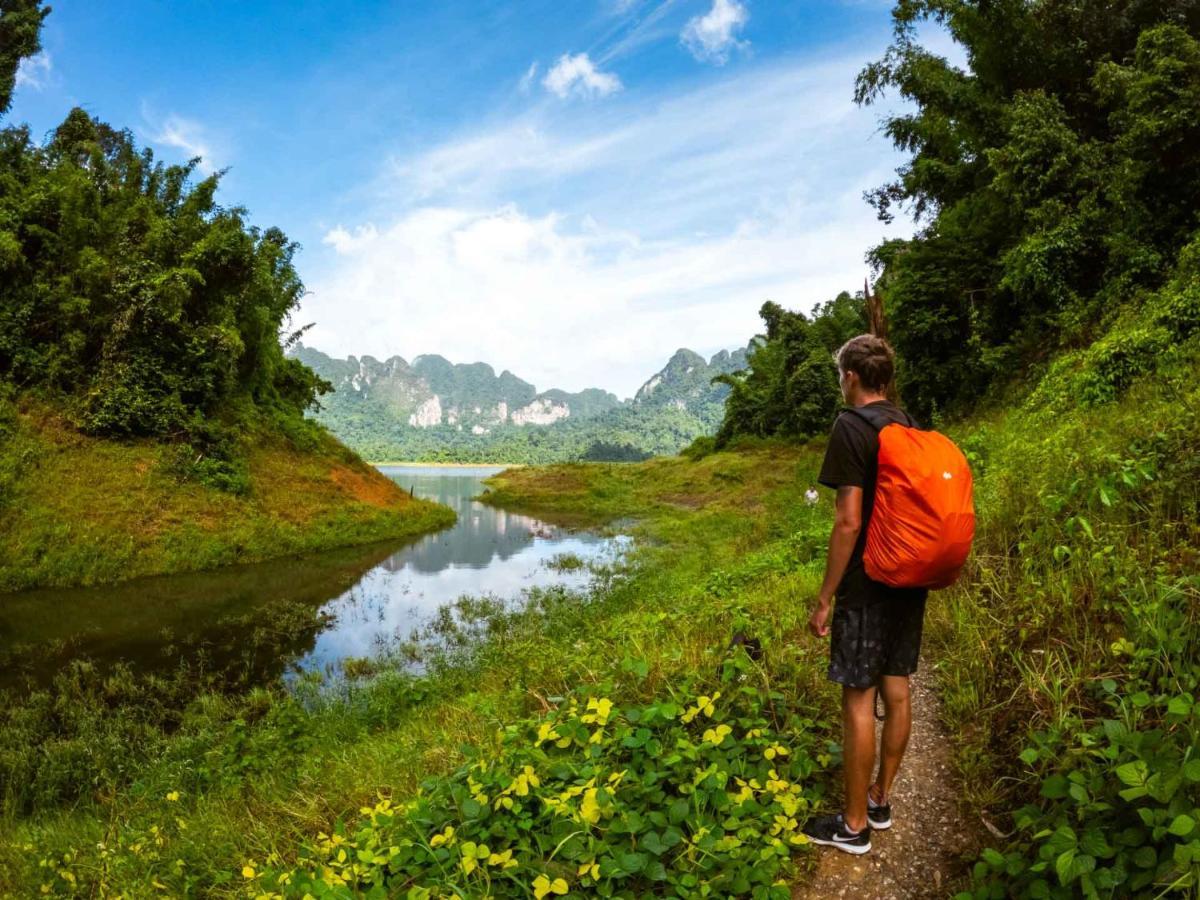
877	418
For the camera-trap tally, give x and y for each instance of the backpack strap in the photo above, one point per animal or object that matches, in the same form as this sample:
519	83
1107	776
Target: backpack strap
876	418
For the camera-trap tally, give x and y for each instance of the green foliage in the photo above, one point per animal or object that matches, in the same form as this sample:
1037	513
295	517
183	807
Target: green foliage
1119	795
1050	175
700	447
1159	333
696	794
604	451
790	386
20	38
128	290
1072	659
653	431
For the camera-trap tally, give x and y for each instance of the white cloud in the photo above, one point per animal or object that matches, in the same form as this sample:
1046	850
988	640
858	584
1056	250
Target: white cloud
581	247
186	135
34	71
712	36
578	75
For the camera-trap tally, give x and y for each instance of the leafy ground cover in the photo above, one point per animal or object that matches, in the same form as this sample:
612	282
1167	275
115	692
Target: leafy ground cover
1071	658
78	509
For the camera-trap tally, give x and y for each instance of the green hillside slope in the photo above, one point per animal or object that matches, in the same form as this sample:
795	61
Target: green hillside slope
79	509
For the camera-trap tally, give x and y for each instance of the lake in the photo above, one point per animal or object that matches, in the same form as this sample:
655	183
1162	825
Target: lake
369	598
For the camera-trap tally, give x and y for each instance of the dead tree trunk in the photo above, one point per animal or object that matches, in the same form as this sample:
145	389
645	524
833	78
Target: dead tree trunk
877	324
876	320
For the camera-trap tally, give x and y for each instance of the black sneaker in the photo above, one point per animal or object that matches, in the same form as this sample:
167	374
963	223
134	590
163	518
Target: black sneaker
879	814
831	831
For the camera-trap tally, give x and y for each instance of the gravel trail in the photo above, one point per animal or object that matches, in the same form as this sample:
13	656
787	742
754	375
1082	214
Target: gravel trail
922	854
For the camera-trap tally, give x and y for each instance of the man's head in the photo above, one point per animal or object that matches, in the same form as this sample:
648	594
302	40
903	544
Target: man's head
865	365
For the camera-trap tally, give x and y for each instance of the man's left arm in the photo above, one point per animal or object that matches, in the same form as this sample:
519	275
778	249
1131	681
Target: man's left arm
846	525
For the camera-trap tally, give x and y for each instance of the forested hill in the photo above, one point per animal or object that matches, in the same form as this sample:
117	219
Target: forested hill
431	409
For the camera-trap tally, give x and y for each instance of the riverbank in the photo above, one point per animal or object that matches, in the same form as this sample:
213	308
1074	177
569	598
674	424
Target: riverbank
722	545
79	510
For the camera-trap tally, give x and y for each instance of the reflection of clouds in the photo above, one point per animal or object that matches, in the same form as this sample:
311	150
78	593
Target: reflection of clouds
488	551
373	593
388	602
479	536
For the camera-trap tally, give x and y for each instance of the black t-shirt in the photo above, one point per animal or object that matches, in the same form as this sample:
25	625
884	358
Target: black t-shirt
851	461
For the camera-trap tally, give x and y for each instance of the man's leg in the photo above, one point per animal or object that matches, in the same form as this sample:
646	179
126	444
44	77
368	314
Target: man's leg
858	728
897	725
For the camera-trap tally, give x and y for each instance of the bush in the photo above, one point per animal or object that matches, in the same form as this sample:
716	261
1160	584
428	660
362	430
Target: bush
703	795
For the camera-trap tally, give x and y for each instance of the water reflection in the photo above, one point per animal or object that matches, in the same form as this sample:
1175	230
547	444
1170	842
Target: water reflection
487	551
374	594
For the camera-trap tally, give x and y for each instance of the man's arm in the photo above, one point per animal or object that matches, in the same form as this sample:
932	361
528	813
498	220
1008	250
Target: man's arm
846	525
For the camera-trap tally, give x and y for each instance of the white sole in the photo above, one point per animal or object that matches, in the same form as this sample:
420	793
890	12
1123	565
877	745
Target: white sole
881	826
845	848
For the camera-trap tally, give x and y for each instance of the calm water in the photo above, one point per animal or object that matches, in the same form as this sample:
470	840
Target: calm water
372	596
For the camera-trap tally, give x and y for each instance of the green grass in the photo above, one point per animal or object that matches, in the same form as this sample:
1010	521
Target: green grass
1070	656
82	510
723	544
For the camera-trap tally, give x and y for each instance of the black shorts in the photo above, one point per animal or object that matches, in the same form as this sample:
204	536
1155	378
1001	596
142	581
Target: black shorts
868	642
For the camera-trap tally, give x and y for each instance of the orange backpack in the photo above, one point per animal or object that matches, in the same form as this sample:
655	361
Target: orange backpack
923	520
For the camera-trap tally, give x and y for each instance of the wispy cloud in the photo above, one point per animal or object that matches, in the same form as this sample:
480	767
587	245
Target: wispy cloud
189	136
579	246
527	79
34	71
713	36
645	26
578	75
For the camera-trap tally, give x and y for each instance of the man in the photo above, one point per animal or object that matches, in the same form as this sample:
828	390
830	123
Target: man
876	629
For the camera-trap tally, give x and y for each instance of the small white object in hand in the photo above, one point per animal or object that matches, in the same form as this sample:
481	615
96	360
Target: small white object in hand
811	496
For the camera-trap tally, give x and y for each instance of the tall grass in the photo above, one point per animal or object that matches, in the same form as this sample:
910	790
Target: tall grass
1072	653
82	510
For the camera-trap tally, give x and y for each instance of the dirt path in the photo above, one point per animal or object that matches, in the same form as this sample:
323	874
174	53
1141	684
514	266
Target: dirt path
921	854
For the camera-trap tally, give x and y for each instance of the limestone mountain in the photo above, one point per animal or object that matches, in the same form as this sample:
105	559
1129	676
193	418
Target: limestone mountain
685	382
434	409
432	392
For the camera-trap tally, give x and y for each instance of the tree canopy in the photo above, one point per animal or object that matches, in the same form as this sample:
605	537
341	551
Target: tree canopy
790	388
1051	179
125	288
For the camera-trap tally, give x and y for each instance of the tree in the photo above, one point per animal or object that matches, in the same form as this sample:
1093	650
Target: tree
20	38
789	388
1046	177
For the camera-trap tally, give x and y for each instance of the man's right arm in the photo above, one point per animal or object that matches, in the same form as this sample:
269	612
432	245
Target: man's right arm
847	524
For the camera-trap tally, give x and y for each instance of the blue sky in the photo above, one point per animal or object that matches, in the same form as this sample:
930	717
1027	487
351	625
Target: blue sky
570	190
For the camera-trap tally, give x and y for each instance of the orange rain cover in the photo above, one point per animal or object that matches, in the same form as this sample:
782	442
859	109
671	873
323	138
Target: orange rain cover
923	520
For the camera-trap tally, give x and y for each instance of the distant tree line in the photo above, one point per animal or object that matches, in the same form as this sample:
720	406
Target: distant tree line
619	435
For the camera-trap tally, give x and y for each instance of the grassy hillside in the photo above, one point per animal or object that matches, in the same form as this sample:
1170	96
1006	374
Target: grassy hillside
77	509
